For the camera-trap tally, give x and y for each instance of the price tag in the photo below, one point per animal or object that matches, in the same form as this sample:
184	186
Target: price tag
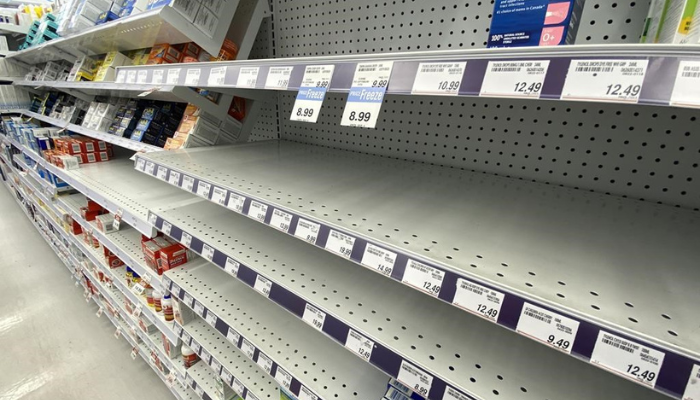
453	394
439	78
192	77
478	299
235	202
173	76
379	259
685	90
415	378
187	183
306	394
367	94
118	219
174	178
167	227
170	379
226	376
157	76
314	317
134	353
141	77
307	230
121	77
359	345
423	277
203	189
199	391
247	77
627	358
605	80
283	377
237	386
257	211
211	318
514	78
281	220
263	285
217	76
264	362
186	338
312	92
216	366
250	396
278	78
692	389
233	336
141	164
150	167
207	252
138	289
219	196
99	312
162	173
199	308
188	300
176	290
131	76
547	327
189	380
152	219
195	346
186	239
248	349
206	357
340	243
118	333
147	278
231	266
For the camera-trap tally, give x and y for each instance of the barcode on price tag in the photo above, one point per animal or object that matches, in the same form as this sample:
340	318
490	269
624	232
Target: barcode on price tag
415	378
199	308
547	327
423	277
176	290
247	348
257	211
152	218
687	86
216	366
281	220
188	300
231	266
211	318
235	202
206	356
173	76
192	77
203	189
167	227
186	239
340	243
379	259
200	391
307	230
121	78
233	336
217	76
452	394
264	362
158	76
250	396
141	164
312	92
118	219
278	78
627	358
186	338
314	317
150	168
226	376
247	77
605	80
439	78
187	183
478	299
367	94
237	386
219	196
692	389
207	252
306	394
174	178
196	347
514	78
141	77
131	77
283	377
263	285
162	173
359	345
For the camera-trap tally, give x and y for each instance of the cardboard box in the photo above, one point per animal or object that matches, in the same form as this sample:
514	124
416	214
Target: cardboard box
182	313
206	21
173	256
188	8
105	223
89	215
113	261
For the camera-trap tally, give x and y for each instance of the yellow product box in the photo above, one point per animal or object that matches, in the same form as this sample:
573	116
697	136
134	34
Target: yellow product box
84	76
106	73
116	59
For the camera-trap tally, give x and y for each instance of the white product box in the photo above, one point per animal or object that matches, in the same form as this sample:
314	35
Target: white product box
206	21
188	8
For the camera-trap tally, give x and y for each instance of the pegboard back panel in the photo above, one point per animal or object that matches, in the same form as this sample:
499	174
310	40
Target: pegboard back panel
266	127
650	153
610	22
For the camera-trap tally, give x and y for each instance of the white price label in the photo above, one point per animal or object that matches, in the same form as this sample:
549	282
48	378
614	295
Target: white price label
206	357
150	168
189	380
278	78
203	189
248	349
281	220
175	290
478	299
547	327
187	183
605	80
217	76
687	86
306	394
199	308
340	243
141	77
452	394
186	338
416	379
195	346
211	318
226	376
131	76
199	391
118	333
283	377
250	396
314	317
264	362
188	300
307	230
219	196
118	219
170	379
157	76
216	366
162	173
627	358
99	312
167	227
134	353
423	277
121	77
263	285
439	78
152	218
379	259
514	78
235	202
314	85
237	386
231	266
141	164
233	336
192	77
173	76
247	77
359	345
207	252
147	278
367	94
692	389
174	178
138	289
257	211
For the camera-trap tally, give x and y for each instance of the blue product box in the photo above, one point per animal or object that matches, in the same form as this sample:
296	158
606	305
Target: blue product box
137	135
519	23
153	4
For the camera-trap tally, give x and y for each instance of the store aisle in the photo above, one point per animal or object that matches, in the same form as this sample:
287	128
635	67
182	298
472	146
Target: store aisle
52	344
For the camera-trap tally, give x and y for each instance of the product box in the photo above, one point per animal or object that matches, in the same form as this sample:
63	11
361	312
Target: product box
173	256
676	20
115	59
67	162
188	8
171	350
105	223
223	391
75	227
113	261
534	22
163	53
206	21
182	313
89	215
151	251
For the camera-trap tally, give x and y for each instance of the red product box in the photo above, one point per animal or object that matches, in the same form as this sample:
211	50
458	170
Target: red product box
114	261
75	227
82	144
151	252
89	215
173	256
93	206
90	158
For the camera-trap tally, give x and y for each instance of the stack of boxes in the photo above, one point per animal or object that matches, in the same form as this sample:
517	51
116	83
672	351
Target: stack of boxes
107	71
83	69
41	31
163	254
99	116
71	151
199	129
158	123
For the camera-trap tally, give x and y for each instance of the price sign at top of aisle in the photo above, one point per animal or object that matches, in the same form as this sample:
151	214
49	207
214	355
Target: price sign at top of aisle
514	78
314	85
605	80
367	94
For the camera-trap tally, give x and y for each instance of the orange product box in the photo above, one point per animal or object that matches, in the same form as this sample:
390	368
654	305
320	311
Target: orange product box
237	109
189	49
187	123
191	110
90	158
164	52
173	256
